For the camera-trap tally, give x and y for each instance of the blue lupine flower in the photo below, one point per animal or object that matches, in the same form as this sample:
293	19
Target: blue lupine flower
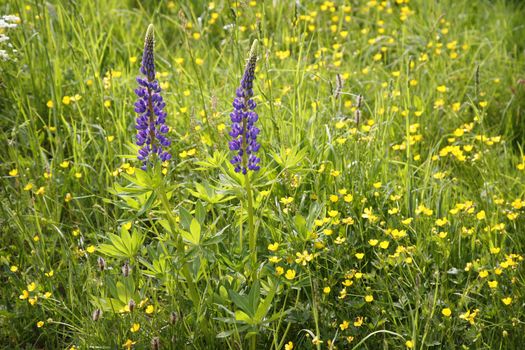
151	121
243	129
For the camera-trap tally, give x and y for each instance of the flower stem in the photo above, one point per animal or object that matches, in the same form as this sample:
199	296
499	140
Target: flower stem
251	229
191	288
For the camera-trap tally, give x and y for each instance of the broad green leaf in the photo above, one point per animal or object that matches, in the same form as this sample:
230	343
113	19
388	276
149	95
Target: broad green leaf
243	317
148	204
254	297
241	301
195	230
300	223
185	218
200	212
264	307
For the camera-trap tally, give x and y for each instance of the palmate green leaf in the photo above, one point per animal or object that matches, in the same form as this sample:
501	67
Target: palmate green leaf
111	250
123	290
123	246
208	194
120	190
289	158
212	162
216	238
132	202
149	203
136	240
109	304
195	229
252	310
141	179
117	244
241	301
135	198
194	236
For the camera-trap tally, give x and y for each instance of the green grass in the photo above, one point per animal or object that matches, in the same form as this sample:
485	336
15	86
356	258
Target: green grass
449	80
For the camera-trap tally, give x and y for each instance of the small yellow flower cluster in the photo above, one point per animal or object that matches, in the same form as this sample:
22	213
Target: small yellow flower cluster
189	153
125	167
469	316
31	294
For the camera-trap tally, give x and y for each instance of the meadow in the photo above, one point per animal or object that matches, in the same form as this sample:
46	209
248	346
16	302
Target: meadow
368	192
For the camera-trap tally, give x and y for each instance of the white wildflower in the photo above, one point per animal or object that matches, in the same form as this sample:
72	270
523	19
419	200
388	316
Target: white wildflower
9	21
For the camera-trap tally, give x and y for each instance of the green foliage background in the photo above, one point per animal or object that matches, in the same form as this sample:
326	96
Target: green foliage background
432	75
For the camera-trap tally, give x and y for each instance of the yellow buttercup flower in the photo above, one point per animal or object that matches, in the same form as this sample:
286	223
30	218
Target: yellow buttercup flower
481	215
128	344
303	258
384	244
290	274
150	309
483	273
446	312
507	301
273	247
286	200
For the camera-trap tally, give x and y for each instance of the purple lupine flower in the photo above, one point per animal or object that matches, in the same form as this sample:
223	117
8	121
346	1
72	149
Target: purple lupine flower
243	130
151	121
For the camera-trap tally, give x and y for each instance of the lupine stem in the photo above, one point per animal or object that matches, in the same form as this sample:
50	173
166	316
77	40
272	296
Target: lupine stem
251	227
191	288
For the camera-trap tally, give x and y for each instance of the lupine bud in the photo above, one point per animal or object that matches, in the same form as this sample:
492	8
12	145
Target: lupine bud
243	129
151	121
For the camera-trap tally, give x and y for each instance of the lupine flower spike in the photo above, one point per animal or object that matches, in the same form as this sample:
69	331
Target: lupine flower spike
244	132
151	121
